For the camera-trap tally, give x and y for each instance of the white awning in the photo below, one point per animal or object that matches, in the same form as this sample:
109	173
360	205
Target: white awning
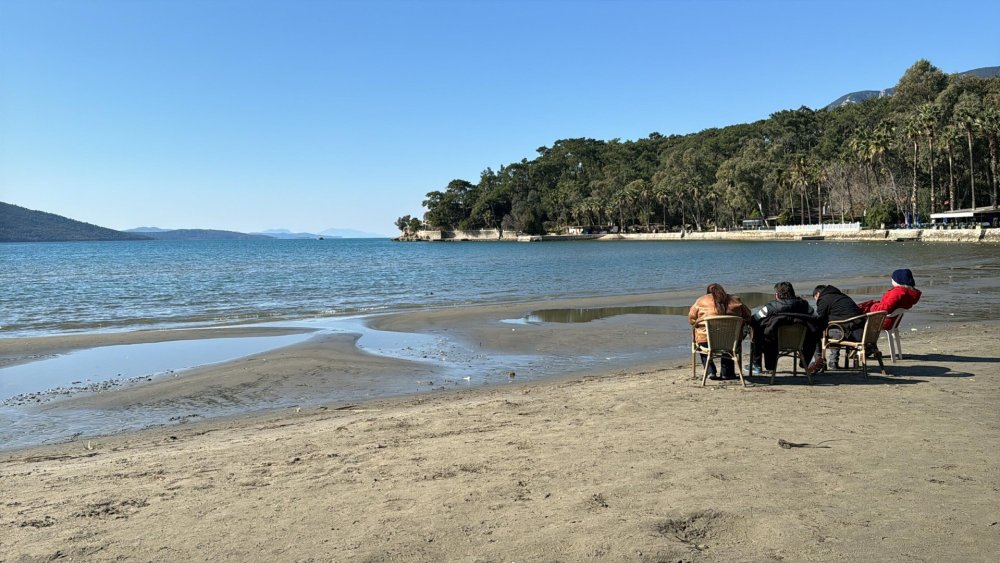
984	211
952	215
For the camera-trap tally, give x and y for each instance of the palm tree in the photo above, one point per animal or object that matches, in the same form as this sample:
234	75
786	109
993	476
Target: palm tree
799	177
661	195
950	134
967	109
783	187
818	174
989	123
927	115
860	145
881	143
913	129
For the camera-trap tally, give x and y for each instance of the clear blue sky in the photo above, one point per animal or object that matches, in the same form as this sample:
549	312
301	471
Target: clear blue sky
248	115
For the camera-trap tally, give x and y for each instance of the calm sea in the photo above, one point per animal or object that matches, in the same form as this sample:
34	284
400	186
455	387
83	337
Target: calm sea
110	286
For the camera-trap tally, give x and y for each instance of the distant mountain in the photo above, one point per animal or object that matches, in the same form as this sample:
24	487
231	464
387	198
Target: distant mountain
194	234
858	97
286	234
350	233
209	234
985	72
18	224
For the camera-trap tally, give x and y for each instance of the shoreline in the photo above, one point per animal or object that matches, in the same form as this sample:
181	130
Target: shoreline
799	233
498	325
328	366
458	345
634	464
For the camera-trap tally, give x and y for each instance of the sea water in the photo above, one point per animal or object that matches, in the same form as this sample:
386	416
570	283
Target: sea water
58	288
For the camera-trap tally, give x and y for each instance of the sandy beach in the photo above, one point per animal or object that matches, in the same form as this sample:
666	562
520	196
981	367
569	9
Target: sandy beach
630	464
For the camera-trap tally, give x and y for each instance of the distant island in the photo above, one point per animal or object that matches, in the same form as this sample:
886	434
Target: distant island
194	234
18	224
286	234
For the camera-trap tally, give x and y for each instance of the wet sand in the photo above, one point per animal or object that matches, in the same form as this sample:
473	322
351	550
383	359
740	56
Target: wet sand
636	463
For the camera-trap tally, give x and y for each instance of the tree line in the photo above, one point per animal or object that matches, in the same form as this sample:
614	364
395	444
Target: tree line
930	147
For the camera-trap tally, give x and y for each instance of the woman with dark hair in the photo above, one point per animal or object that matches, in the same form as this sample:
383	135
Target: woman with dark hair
716	302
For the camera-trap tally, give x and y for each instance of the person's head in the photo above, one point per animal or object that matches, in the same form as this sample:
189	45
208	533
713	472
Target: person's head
817	291
719	296
784	290
903	277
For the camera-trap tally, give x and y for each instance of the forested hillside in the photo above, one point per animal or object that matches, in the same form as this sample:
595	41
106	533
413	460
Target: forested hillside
18	224
931	146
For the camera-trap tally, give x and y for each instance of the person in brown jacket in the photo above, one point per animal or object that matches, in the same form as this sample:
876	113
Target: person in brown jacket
716	302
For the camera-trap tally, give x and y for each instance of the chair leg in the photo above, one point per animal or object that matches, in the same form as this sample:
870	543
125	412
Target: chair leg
738	360
704	377
704	368
878	356
898	349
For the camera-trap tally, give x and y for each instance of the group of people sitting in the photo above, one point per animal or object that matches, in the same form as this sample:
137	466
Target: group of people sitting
831	305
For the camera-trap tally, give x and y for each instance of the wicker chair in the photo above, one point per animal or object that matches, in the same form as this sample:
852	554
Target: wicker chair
725	340
892	333
856	351
791	339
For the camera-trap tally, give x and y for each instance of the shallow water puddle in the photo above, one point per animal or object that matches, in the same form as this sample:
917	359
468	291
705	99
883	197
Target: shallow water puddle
84	368
585	314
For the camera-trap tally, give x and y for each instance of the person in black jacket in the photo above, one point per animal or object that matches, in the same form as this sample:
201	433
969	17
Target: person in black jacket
833	305
786	307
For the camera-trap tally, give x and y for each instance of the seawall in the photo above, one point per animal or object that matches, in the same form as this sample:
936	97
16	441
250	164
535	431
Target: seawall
976	235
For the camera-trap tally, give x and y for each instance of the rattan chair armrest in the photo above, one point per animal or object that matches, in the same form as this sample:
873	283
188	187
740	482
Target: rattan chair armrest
850	320
841	324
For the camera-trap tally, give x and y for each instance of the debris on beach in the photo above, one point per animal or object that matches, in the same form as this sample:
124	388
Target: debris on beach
789	445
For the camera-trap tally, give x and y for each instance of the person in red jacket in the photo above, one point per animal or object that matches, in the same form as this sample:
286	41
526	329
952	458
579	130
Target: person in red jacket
903	295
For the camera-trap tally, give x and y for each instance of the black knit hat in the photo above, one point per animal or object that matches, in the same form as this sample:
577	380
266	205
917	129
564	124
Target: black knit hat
904	277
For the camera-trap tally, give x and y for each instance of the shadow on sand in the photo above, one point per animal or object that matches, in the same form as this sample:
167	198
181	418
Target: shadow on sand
951	358
896	375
